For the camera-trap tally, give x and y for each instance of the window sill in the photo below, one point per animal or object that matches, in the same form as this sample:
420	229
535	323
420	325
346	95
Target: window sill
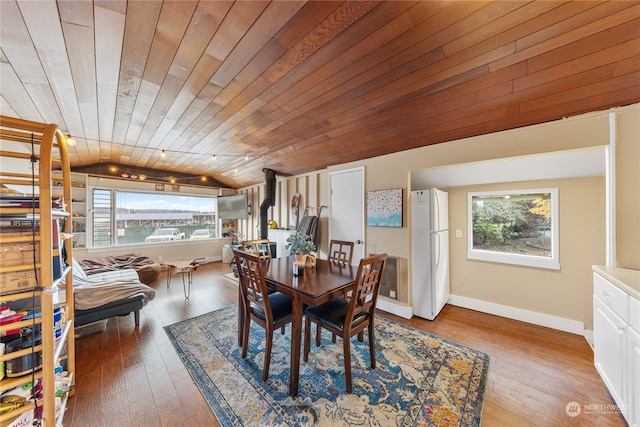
514	259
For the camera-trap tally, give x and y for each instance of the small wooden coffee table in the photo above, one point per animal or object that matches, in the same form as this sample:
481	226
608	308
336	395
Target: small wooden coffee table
187	271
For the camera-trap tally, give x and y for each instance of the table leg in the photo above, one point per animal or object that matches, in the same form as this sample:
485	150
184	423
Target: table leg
240	315
296	334
169	271
187	290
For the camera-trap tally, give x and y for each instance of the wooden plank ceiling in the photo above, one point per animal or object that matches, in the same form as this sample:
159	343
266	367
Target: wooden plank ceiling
299	86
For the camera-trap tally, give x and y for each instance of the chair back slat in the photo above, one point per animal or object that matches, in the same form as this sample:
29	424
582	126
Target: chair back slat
260	247
366	287
253	286
340	251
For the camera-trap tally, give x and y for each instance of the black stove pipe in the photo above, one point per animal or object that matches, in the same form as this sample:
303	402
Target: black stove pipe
270	200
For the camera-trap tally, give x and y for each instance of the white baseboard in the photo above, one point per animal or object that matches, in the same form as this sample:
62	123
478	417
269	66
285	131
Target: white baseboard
540	319
392	307
588	334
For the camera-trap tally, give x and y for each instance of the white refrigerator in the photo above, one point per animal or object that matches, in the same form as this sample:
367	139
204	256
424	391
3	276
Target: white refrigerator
429	252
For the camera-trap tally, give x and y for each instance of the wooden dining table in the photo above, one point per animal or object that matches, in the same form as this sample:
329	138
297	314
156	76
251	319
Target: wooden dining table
312	288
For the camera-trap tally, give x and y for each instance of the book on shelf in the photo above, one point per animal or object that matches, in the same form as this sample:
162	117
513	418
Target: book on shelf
13	230
18	219
57	258
13	201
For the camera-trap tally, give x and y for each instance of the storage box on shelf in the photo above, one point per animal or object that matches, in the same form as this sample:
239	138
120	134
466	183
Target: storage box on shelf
38	347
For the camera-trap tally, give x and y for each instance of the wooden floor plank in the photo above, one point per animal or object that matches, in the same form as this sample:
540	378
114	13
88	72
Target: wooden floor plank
128	376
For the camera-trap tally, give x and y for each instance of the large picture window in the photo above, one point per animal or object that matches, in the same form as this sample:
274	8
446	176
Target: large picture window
514	227
122	217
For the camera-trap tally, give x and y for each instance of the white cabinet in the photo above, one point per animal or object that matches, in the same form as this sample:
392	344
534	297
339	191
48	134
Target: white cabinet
633	350
610	342
634	375
280	238
616	328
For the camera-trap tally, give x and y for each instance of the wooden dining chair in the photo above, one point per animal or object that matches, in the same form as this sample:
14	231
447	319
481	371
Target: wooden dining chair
340	251
269	310
261	247
346	317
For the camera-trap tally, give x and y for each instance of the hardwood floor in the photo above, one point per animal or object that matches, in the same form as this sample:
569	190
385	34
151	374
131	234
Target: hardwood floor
133	377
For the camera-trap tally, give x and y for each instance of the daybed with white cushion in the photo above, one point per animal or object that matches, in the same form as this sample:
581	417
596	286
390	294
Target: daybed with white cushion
112	293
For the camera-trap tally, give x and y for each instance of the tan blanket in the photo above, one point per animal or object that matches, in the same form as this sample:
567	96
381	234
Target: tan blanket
118	262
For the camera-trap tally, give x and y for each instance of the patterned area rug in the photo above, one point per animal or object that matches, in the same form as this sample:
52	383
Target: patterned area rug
420	380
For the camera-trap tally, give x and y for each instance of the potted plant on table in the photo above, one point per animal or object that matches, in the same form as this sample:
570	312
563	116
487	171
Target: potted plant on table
301	246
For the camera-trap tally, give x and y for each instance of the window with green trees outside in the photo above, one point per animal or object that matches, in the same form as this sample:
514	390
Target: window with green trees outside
514	227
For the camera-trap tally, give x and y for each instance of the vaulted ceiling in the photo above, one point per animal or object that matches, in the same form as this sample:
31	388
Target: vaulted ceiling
298	86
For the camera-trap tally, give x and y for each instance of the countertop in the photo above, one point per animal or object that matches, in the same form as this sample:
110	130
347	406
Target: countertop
626	279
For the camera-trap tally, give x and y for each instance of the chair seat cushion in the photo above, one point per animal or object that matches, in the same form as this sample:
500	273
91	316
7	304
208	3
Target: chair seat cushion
333	313
280	307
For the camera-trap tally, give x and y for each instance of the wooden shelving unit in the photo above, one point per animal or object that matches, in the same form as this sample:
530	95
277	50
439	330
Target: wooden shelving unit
79	224
26	143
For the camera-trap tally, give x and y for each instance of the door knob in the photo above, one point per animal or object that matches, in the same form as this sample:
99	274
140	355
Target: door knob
359	242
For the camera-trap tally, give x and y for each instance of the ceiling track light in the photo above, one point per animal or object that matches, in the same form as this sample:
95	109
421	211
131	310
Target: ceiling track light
244	156
70	140
131	174
164	152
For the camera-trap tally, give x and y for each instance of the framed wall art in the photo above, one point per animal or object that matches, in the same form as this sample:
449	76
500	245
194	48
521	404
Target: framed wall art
384	208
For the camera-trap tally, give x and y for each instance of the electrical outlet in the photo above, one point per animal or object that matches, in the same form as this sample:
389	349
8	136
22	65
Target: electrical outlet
392	294
160	257
458	233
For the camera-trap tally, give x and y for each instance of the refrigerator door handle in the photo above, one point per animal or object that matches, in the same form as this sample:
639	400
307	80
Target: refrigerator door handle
436	246
437	208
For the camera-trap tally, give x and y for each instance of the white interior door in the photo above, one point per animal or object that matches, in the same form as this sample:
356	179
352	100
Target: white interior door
346	218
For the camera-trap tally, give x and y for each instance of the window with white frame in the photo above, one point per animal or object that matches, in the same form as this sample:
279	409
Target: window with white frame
129	217
514	227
